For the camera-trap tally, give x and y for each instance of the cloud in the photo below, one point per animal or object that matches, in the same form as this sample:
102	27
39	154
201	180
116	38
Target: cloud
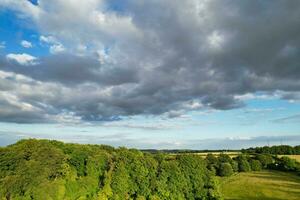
152	57
48	39
243	142
22	59
25	8
128	140
2	45
26	44
289	119
57	48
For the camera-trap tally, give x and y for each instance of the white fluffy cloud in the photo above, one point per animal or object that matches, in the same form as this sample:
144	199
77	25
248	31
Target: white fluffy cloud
26	44
23	59
57	48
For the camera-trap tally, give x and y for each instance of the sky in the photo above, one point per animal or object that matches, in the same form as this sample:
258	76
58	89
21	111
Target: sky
165	74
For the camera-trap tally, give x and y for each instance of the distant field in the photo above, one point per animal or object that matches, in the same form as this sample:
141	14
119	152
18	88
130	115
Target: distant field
217	153
236	153
296	157
266	185
204	154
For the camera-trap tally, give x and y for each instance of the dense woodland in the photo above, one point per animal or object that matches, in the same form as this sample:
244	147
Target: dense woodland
43	169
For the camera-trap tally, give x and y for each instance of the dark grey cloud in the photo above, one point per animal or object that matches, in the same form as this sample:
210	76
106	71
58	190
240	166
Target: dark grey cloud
157	56
72	69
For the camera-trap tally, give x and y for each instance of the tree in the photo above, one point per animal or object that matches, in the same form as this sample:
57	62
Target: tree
224	158
287	164
42	169
255	165
225	169
264	159
235	166
212	163
243	163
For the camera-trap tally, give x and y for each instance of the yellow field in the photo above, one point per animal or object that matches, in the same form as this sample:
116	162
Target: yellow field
296	157
217	153
234	154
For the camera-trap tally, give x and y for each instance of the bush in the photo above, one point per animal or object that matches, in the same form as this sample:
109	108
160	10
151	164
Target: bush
225	169
255	165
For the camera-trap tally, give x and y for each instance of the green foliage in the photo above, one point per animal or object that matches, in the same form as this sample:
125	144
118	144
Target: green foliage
225	169
287	164
280	150
224	158
265	159
212	163
42	169
243	163
255	165
235	166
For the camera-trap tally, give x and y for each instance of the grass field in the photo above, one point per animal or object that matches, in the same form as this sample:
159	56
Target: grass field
265	185
296	157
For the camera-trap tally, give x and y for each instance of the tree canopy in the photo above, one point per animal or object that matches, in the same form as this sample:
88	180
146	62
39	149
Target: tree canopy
43	169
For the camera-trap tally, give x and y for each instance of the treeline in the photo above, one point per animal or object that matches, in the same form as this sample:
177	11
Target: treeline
42	169
276	150
224	165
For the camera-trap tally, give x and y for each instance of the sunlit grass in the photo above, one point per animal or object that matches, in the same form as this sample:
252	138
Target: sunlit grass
264	185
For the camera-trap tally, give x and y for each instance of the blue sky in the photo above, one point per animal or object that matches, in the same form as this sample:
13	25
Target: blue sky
130	74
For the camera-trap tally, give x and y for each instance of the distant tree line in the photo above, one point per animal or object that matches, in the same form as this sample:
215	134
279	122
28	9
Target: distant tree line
224	165
276	150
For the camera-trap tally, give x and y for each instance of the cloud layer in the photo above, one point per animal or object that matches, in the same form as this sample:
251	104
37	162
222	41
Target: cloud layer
117	140
110	59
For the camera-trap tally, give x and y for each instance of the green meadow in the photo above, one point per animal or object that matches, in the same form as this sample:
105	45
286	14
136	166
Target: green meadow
263	185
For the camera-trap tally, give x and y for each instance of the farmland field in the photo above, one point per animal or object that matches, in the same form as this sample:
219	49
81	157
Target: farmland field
204	154
296	157
265	185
